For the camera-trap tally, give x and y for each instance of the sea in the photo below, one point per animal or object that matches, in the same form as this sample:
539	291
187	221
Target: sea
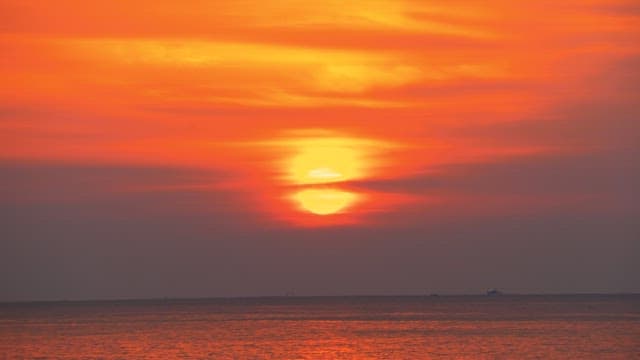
353	327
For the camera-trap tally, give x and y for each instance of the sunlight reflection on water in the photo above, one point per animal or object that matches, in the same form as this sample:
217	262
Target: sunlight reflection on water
326	328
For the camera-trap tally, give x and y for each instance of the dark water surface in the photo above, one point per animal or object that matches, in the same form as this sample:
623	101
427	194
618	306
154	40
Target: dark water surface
571	326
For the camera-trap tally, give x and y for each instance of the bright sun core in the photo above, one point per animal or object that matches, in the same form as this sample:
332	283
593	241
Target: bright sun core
324	201
324	173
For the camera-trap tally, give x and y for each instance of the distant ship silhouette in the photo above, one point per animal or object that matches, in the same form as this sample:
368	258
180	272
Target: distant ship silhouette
493	292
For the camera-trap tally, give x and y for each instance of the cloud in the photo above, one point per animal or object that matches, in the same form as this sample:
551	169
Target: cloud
59	183
602	183
72	231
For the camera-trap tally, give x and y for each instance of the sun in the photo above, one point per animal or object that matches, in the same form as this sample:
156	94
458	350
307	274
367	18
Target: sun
321	168
326	161
324	201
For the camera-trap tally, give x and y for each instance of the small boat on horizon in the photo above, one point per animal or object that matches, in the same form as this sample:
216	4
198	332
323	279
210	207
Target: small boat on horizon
493	292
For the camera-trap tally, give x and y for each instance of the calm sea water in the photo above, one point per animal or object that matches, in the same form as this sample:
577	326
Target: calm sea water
577	327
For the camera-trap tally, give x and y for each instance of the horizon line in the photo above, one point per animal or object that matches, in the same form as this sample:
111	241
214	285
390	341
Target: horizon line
293	296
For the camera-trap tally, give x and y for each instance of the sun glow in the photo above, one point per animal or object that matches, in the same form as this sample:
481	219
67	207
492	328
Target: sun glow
322	166
320	163
324	173
329	160
325	201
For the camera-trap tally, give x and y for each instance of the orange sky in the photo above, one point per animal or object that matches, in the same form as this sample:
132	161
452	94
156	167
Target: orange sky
237	87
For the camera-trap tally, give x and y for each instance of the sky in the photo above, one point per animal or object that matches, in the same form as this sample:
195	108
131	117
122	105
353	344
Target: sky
251	148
